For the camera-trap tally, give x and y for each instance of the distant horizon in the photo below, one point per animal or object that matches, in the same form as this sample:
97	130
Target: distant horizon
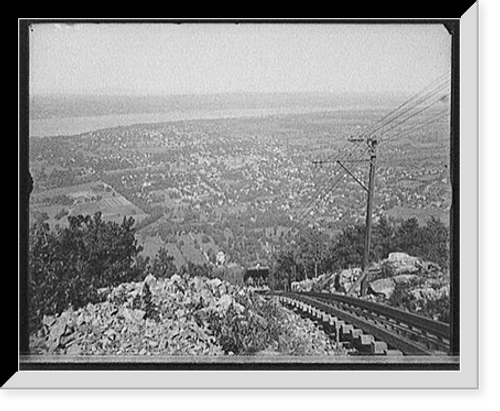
126	93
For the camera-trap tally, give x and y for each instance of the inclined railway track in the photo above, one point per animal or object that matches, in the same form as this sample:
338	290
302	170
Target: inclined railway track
369	327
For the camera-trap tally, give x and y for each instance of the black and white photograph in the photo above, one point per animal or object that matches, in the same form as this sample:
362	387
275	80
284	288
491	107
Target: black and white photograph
241	195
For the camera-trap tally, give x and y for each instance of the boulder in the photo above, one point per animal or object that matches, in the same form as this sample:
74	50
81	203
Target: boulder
214	282
403	263
150	280
224	302
383	286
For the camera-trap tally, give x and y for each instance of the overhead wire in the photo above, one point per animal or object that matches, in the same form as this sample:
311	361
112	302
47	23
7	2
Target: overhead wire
323	186
396	117
419	98
382	127
433	89
422	95
408	131
412	115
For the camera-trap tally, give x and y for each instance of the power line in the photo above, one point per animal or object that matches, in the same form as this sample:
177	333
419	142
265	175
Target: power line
325	189
428	92
418	103
436	85
434	119
422	100
414	114
320	186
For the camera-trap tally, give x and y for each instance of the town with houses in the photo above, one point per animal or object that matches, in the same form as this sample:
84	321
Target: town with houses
235	189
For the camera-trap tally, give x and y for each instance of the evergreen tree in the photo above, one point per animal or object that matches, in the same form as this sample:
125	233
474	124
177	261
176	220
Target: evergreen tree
348	247
163	265
383	239
69	266
408	238
435	242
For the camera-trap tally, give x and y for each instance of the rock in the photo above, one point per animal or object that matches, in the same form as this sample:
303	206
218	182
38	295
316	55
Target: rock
214	282
403	263
111	334
125	312
74	349
197	283
139	314
261	320
238	307
383	286
225	301
48	320
65	340
150	280
206	297
57	330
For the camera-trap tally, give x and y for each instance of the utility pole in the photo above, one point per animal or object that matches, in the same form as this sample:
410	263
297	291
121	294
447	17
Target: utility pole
361	281
372	147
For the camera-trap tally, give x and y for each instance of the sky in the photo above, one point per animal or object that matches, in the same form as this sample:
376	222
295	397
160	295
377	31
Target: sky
186	58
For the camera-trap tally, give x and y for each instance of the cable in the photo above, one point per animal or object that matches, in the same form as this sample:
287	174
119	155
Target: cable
407	110
430	90
388	122
322	187
414	114
396	112
323	193
411	129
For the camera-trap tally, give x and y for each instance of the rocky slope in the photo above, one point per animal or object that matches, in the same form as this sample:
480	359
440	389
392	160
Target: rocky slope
180	316
400	280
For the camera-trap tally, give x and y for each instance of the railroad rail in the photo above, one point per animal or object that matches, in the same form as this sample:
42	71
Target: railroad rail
369	327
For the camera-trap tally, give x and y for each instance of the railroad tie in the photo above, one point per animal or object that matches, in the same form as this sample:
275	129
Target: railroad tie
355	334
378	347
345	331
365	341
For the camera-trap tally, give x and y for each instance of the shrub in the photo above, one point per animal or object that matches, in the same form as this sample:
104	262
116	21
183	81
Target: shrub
433	308
247	332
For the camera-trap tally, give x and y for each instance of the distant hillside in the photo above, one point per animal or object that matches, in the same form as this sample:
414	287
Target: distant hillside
58	106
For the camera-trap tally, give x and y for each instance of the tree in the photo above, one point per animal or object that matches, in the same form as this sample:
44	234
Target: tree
408	237
163	265
311	251
196	270
383	239
348	247
69	266
286	270
435	242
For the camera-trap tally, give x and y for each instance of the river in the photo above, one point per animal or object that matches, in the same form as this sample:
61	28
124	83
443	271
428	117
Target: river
68	126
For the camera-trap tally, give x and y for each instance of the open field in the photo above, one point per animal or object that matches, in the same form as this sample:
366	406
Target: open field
53	205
